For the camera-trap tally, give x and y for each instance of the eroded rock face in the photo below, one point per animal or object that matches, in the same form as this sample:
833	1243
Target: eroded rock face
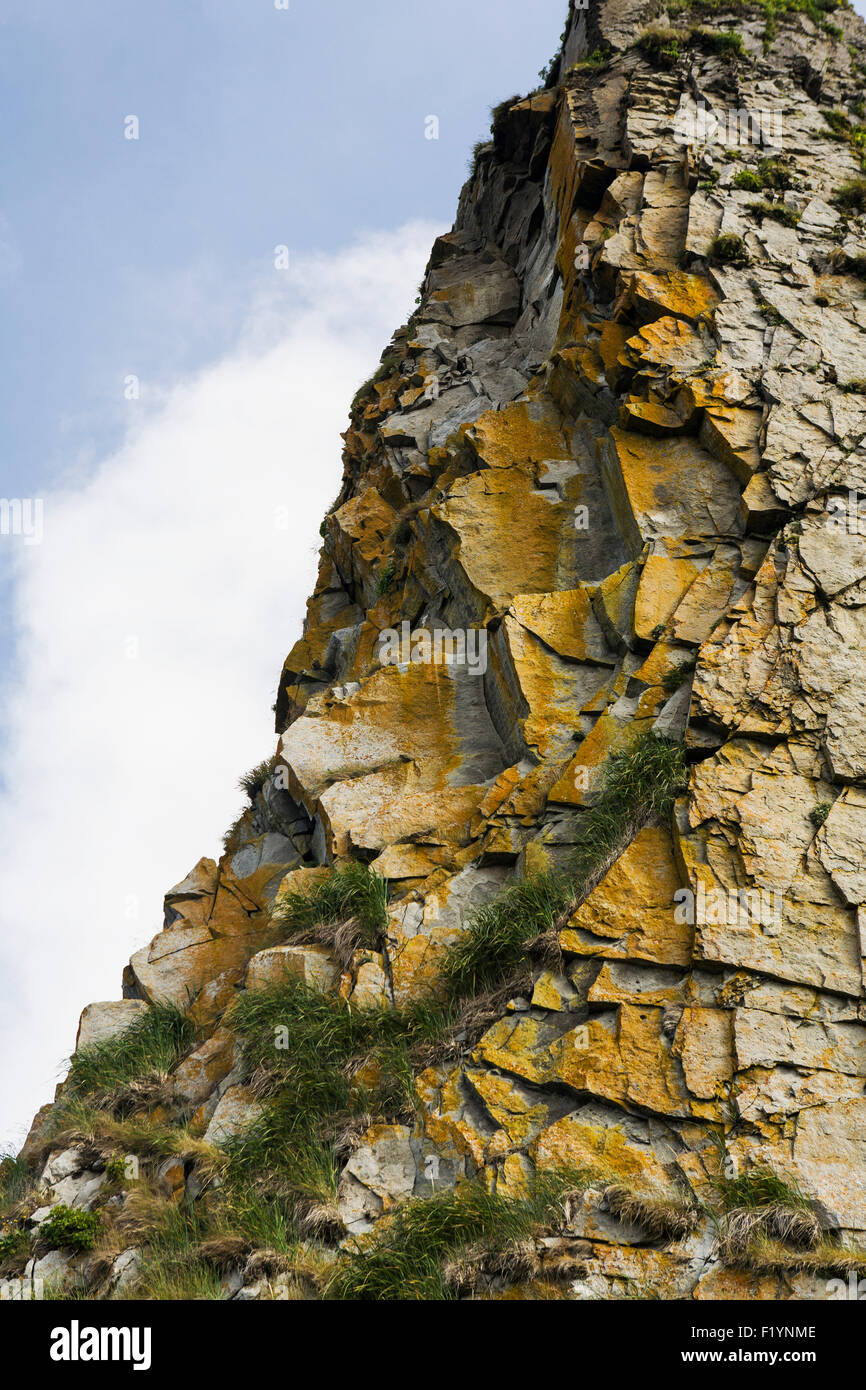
583	455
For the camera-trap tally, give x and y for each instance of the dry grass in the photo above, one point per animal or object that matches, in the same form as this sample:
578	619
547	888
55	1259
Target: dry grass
342	939
471	1271
662	1218
318	1219
792	1226
765	1255
225	1252
140	1096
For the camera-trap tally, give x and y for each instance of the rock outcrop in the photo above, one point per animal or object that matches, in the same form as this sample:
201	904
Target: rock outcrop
603	487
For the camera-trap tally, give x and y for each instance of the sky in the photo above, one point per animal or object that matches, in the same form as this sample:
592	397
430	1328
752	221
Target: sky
172	391
173	394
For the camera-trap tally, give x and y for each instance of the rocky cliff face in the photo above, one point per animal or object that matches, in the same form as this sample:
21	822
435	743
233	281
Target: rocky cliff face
589	621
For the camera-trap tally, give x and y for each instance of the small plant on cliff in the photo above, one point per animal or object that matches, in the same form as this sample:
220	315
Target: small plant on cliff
494	942
69	1229
385	578
820	812
14	1250
253	781
776	212
445	1246
661	1218
638	786
767	1223
17	1180
598	58
678	675
851	196
153	1042
661	47
729	249
770	173
344	911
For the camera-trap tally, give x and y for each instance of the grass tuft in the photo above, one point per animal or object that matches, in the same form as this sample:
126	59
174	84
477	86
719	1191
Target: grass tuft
638	785
851	195
345	911
153	1043
729	249
69	1229
439	1247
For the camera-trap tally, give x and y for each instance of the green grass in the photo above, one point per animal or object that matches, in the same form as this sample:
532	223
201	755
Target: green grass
494	942
661	47
598	58
16	1181
407	1258
171	1268
678	675
729	249
385	578
153	1042
638	785
310	1090
851	196
253	781
68	1229
664	48
760	1187
820	812
352	892
769	174
777	212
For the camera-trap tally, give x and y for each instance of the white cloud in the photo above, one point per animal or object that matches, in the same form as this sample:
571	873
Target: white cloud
120	771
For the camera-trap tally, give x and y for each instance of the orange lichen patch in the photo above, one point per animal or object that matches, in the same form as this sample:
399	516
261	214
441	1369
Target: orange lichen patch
663	582
707	600
519	1115
622	1056
662	659
582	774
668	488
613	339
566	168
571	1143
416	965
737	1286
648	417
528	798
383	762
613	603
732	435
677	293
524	432
667	343
565	622
632	913
368	813
703	1043
363	524
509	536
412	861
302	881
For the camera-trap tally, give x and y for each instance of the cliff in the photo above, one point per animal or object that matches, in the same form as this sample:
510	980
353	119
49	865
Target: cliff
534	967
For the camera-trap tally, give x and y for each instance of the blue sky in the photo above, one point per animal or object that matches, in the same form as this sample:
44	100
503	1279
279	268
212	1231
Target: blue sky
141	642
257	127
